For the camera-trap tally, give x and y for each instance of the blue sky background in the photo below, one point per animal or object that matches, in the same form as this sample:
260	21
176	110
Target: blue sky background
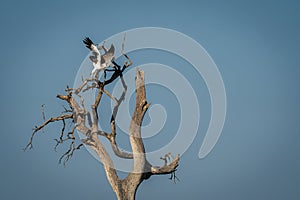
255	44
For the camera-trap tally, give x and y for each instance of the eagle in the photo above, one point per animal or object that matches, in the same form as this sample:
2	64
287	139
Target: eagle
100	62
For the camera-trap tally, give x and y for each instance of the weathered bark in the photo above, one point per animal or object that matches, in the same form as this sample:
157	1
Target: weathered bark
87	124
134	179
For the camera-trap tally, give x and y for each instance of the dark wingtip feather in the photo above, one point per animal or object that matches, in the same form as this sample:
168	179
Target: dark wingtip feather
88	42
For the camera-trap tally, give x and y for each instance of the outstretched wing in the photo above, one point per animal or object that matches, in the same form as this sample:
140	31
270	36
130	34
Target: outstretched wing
88	42
95	57
102	60
90	45
111	50
108	56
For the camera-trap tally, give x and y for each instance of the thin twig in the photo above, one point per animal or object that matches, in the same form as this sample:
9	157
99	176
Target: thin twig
37	128
123	44
43	114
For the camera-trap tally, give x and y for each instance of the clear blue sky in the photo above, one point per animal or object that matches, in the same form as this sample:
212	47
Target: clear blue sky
256	47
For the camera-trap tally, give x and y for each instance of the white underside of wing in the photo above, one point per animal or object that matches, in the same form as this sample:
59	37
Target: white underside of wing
98	64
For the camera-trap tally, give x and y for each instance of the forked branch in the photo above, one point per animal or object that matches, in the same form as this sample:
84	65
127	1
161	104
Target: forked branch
86	122
37	128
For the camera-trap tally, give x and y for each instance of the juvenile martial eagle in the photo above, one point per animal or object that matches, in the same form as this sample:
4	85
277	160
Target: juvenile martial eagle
100	62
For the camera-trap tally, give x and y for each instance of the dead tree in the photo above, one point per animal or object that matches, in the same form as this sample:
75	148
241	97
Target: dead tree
86	122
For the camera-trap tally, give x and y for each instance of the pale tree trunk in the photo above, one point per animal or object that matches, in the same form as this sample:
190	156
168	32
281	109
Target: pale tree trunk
87	124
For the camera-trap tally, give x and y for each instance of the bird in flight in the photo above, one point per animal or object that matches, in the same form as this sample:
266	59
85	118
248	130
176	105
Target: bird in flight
100	62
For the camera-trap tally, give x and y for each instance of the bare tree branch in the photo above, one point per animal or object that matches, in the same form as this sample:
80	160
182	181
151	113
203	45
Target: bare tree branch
141	107
123	44
112	136
86	122
166	158
166	169
37	128
60	140
69	153
43	114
